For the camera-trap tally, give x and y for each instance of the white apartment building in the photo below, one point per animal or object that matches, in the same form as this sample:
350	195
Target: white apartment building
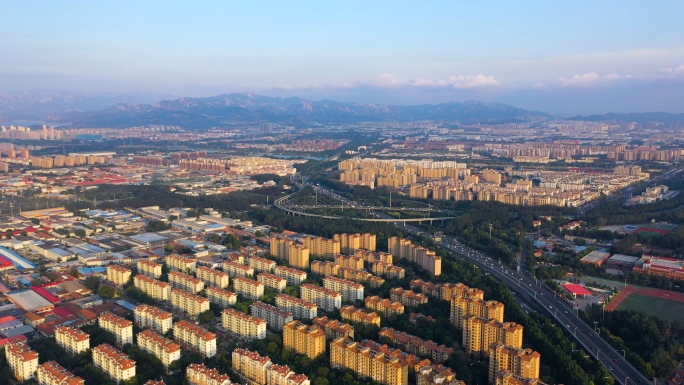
198	374
118	274
22	360
250	365
235	269
193	337
190	303
154	318
282	375
213	277
223	298
351	291
243	325
152	287
185	282
275	318
163	348
149	268
51	373
113	362
262	265
299	308
248	288
181	263
73	340
272	281
293	276
119	326
326	299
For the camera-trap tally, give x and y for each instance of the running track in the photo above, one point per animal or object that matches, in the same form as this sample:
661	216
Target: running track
625	292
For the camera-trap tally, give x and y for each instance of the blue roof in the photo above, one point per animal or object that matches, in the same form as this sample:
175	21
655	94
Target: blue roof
579	249
91	270
126	304
16	259
539	243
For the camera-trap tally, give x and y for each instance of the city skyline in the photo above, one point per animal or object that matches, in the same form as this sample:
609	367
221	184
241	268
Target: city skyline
585	58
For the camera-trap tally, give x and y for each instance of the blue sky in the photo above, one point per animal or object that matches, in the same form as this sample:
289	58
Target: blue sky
556	56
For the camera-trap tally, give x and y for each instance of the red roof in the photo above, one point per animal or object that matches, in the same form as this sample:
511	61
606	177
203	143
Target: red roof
4	263
576	289
10	339
46	294
61	312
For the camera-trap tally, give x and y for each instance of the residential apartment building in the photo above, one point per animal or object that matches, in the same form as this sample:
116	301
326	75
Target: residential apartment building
521	362
416	345
198	374
408	298
349	243
164	349
304	339
333	328
359	276
387	270
462	307
181	263
73	340
404	249
352	314
213	277
384	306
223	298
325	268
375	282
235	269
244	325
190	303
22	360
351	291
152	287
349	261
118	274
273	281
293	276
446	291
506	377
248	288
119	326
479	334
436	375
326	299
366	362
323	247
51	373
282	375
113	362
149	268
371	257
154	318
262	265
275	318
279	247
299	308
185	282
195	338
250	365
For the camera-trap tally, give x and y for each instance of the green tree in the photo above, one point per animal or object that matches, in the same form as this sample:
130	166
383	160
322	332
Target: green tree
80	233
206	316
106	291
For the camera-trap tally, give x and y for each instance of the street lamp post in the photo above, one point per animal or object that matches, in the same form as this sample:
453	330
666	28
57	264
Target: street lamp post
597	354
627	378
623	354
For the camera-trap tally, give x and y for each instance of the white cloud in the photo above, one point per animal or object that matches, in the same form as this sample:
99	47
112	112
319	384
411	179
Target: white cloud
674	70
385	80
579	80
460	81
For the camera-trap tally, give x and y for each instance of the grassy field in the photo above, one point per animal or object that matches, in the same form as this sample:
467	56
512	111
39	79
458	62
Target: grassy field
660	307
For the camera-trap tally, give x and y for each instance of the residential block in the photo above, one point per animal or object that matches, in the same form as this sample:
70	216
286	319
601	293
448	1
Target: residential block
195	338
185	282
223	298
22	360
73	340
149	268
275	318
298	307
352	314
248	288
154	318
190	303
51	373
164	349
273	281
351	291
113	362
384	306
235	269
244	325
326	299
333	328
119	326
213	277
304	339
293	276
407	297
156	289
118	274
181	263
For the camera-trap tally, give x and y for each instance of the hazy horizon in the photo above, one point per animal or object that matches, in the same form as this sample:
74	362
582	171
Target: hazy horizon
579	58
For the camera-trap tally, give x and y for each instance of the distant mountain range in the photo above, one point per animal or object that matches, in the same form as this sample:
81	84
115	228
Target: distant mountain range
644	117
126	110
40	104
247	107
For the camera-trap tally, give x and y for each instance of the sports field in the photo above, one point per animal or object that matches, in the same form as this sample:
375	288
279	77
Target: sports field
665	309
